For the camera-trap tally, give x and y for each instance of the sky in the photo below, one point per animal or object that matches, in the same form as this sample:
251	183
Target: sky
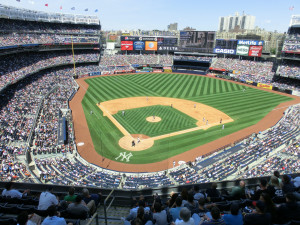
158	14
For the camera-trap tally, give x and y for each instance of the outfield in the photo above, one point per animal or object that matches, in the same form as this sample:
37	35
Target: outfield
246	108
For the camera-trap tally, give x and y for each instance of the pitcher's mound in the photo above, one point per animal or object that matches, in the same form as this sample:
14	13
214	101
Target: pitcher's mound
153	120
126	143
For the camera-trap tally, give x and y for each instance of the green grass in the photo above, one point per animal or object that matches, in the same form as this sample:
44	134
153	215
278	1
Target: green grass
134	120
246	108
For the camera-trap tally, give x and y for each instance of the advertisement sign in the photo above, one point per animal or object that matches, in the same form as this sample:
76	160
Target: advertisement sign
126	45
139	45
129	38
255	51
224	51
266	86
250	42
151	46
167	48
242	50
291	48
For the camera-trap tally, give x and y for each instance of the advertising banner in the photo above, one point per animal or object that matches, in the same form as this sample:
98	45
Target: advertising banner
164	41
255	51
250	42
139	45
224	51
242	50
266	86
151	46
126	45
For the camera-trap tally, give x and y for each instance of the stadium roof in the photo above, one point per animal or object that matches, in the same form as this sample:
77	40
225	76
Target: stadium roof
10	12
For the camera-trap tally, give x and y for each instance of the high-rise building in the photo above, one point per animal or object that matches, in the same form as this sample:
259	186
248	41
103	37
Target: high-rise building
236	22
172	27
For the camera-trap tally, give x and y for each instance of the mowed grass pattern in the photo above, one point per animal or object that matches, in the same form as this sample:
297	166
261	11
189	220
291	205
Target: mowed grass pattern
134	120
246	108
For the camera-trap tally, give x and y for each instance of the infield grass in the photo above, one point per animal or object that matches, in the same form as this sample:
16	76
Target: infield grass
173	120
246	108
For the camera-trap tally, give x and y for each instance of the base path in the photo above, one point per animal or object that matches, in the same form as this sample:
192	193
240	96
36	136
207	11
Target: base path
87	151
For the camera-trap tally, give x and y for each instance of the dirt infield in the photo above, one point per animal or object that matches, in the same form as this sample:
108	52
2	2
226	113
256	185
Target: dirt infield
87	151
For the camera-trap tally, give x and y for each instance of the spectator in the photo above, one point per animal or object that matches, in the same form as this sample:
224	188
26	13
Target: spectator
202	209
13	193
238	192
262	189
259	217
176	211
287	185
197	194
213	192
53	217
92	201
79	208
274	182
235	218
133	212
185	215
71	197
141	218
289	210
184	196
192	204
47	199
269	206
216	218
159	215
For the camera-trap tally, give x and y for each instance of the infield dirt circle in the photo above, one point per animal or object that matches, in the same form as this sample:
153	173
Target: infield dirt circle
153	120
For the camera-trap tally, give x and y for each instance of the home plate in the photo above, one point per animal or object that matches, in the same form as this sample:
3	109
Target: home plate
80	144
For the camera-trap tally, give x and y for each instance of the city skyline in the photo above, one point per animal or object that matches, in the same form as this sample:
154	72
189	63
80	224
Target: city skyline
133	15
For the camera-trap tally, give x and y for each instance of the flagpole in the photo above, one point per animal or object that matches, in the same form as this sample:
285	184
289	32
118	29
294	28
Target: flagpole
73	55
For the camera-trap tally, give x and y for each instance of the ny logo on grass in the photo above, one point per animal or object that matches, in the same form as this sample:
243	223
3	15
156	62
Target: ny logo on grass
124	156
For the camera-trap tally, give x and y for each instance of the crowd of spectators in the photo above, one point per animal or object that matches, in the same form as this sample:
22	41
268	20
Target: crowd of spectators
9	25
289	71
121	60
13	39
247	67
240	205
18	66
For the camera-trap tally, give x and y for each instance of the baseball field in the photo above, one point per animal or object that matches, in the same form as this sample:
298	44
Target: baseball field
201	106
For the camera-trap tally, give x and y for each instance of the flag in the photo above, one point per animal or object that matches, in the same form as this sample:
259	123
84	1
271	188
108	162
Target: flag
60	7
86	10
73	8
96	10
18	0
291	8
46	5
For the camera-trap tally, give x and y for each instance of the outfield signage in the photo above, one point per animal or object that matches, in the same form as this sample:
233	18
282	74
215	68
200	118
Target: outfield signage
242	50
126	45
266	86
255	51
139	45
167	48
250	42
224	51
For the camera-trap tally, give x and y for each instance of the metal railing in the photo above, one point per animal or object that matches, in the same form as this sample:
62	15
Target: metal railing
106	208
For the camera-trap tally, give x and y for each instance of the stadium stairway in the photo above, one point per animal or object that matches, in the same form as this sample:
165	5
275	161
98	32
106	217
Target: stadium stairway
114	215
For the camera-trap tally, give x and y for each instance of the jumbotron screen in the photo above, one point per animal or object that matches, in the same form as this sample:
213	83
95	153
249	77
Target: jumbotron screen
199	41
